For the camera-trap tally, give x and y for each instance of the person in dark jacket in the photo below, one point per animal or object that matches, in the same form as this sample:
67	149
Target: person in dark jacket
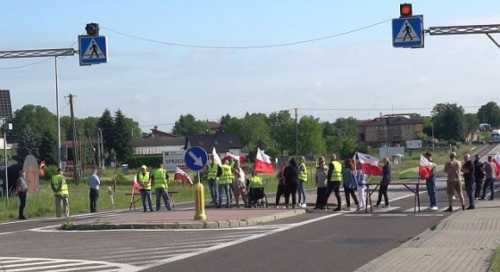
350	183
280	191
468	172
384	183
22	192
291	181
479	176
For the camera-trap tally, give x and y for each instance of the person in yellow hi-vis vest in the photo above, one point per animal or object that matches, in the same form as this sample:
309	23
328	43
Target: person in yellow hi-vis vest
302	179
160	181
144	181
256	189
61	193
334	181
225	181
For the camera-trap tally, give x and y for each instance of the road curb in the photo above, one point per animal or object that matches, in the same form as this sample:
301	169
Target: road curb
216	224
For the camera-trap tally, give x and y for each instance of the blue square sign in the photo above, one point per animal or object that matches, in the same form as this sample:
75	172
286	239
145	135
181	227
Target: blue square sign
408	32
92	49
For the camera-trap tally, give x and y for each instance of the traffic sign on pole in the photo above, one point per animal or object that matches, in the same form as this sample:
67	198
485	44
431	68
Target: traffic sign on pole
196	158
408	32
92	49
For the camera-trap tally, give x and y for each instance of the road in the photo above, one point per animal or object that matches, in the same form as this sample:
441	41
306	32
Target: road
321	241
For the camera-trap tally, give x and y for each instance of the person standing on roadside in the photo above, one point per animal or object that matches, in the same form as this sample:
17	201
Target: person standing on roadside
454	182
321	184
225	184
334	181
94	183
468	172
384	183
213	173
430	183
144	179
22	193
490	173
478	176
60	188
239	182
160	180
350	184
280	191
291	175
302	181
362	180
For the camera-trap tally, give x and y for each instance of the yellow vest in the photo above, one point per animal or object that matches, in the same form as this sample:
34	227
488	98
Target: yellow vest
212	171
303	172
227	175
336	171
161	178
256	182
59	185
144	181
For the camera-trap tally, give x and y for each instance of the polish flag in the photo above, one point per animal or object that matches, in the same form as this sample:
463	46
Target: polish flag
182	176
135	184
369	164
231	156
216	157
263	162
425	167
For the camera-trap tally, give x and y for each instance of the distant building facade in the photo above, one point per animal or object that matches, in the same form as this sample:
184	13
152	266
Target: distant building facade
223	142
391	129
158	145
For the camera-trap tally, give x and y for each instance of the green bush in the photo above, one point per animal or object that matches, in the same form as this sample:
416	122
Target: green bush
149	161
50	171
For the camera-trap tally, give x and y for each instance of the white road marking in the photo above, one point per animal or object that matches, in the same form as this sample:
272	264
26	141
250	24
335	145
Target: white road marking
387	209
20	264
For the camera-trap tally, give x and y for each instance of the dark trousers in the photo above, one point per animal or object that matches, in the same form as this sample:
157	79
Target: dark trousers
162	193
280	192
430	183
489	184
321	197
146	197
93	196
469	189
226	189
348	193
334	186
291	190
479	186
382	191
22	203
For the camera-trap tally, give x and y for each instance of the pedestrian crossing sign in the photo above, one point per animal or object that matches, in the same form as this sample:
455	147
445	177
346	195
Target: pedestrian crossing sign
92	49
408	32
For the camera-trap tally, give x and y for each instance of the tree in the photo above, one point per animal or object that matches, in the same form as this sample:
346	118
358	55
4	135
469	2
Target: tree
341	136
48	148
106	124
122	143
490	114
282	129
255	132
31	125
448	121
187	125
311	139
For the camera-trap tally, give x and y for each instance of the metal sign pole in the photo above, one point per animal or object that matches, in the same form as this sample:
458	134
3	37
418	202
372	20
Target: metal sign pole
6	161
58	117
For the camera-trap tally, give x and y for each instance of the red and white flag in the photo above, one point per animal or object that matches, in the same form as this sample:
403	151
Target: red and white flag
369	164
231	156
425	167
263	163
215	157
182	176
497	162
135	184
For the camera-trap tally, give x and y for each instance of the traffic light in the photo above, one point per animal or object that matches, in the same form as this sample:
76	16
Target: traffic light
92	29
405	10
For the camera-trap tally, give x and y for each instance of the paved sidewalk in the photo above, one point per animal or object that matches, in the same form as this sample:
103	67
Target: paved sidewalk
465	241
217	218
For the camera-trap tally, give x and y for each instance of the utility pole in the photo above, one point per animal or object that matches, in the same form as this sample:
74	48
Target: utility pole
296	110
58	117
76	167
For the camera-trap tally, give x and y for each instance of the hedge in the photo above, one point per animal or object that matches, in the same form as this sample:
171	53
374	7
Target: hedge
149	161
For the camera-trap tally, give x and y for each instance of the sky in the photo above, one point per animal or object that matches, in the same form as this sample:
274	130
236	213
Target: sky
155	83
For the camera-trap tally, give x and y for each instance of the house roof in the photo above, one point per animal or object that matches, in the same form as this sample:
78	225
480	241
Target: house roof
221	141
393	120
163	141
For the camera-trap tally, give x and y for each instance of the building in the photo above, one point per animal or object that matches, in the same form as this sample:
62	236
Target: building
158	145
223	142
391	129
156	133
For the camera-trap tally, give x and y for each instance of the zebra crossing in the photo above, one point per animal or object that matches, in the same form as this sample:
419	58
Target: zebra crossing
21	264
399	211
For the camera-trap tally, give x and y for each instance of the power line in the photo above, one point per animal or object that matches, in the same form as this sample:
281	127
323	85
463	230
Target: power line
273	45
